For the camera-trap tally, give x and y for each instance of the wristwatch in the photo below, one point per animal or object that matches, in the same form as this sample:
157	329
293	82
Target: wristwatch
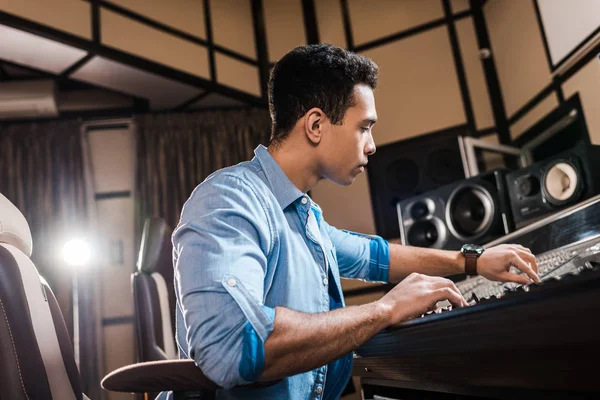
471	252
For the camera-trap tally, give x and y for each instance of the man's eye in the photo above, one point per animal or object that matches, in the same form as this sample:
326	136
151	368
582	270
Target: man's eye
364	129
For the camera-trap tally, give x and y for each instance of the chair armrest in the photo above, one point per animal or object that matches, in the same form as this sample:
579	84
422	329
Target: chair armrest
158	376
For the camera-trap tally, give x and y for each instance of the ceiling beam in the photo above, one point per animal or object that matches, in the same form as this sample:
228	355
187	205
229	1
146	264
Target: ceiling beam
191	101
128	59
67	72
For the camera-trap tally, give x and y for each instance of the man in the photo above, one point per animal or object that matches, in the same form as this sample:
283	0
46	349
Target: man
258	268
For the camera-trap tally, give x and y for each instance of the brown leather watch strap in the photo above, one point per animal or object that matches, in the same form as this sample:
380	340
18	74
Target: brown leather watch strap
471	264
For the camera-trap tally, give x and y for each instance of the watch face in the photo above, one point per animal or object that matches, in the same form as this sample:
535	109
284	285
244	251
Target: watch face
472	249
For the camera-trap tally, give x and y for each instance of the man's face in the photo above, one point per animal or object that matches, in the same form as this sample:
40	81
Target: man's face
347	146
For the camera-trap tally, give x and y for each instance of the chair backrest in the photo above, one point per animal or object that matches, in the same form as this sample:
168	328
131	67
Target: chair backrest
154	294
36	355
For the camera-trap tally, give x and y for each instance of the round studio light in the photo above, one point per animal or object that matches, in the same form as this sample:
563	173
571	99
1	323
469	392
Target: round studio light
76	252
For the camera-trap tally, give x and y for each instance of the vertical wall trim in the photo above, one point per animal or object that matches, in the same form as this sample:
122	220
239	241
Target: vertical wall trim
210	42
347	25
95	10
491	75
311	28
460	68
260	40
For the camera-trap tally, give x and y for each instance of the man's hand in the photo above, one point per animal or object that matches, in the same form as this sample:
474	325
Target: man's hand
417	294
495	262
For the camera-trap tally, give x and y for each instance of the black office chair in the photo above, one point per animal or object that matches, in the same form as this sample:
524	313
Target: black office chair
154	294
36	355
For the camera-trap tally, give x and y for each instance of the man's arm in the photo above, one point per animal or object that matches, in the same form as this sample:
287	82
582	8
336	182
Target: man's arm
493	264
290	349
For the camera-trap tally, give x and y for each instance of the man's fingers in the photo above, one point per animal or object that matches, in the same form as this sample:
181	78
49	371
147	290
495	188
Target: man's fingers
525	268
453	295
516	278
529	258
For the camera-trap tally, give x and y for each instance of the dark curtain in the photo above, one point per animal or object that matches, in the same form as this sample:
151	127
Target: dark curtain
42	173
176	152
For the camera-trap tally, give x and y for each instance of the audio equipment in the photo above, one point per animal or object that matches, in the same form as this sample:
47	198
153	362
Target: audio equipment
509	331
558	265
410	167
554	183
473	210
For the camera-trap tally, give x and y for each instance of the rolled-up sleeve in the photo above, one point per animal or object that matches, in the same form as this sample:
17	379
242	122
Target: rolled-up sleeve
221	246
360	256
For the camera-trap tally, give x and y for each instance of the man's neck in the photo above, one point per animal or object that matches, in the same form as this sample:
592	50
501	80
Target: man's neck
299	166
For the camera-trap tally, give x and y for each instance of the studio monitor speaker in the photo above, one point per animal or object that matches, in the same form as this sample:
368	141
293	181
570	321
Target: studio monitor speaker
410	167
474	210
554	183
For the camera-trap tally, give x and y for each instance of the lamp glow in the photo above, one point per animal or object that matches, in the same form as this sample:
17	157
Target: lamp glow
76	252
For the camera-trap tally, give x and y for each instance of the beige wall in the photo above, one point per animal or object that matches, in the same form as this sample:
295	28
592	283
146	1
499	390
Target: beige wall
586	82
72	16
523	67
518	51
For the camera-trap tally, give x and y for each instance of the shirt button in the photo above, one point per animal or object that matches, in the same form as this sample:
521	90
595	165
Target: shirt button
319	389
304	200
325	281
231	282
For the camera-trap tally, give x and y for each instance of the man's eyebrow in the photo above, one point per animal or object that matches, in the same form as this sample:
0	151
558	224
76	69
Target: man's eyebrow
370	121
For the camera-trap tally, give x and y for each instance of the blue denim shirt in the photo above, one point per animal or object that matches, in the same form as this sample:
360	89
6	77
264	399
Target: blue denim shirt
247	242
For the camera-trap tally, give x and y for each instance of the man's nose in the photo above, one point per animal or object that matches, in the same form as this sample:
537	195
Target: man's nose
370	148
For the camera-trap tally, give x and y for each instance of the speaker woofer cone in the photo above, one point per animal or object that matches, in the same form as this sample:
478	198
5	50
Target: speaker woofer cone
470	212
427	233
561	182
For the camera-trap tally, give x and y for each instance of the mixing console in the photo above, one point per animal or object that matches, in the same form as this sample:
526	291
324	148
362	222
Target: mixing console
553	265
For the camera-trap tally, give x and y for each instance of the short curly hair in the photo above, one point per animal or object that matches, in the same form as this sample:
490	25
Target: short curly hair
320	76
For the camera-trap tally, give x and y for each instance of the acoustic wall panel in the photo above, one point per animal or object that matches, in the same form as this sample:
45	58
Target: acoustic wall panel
459	5
185	15
418	90
478	91
330	23
375	19
72	16
284	23
518	51
237	74
232	25
587	83
133	37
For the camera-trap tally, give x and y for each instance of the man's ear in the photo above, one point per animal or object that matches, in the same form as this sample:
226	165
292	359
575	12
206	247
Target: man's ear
315	124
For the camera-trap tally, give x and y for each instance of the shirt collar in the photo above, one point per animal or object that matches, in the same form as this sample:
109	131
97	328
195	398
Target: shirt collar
284	190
